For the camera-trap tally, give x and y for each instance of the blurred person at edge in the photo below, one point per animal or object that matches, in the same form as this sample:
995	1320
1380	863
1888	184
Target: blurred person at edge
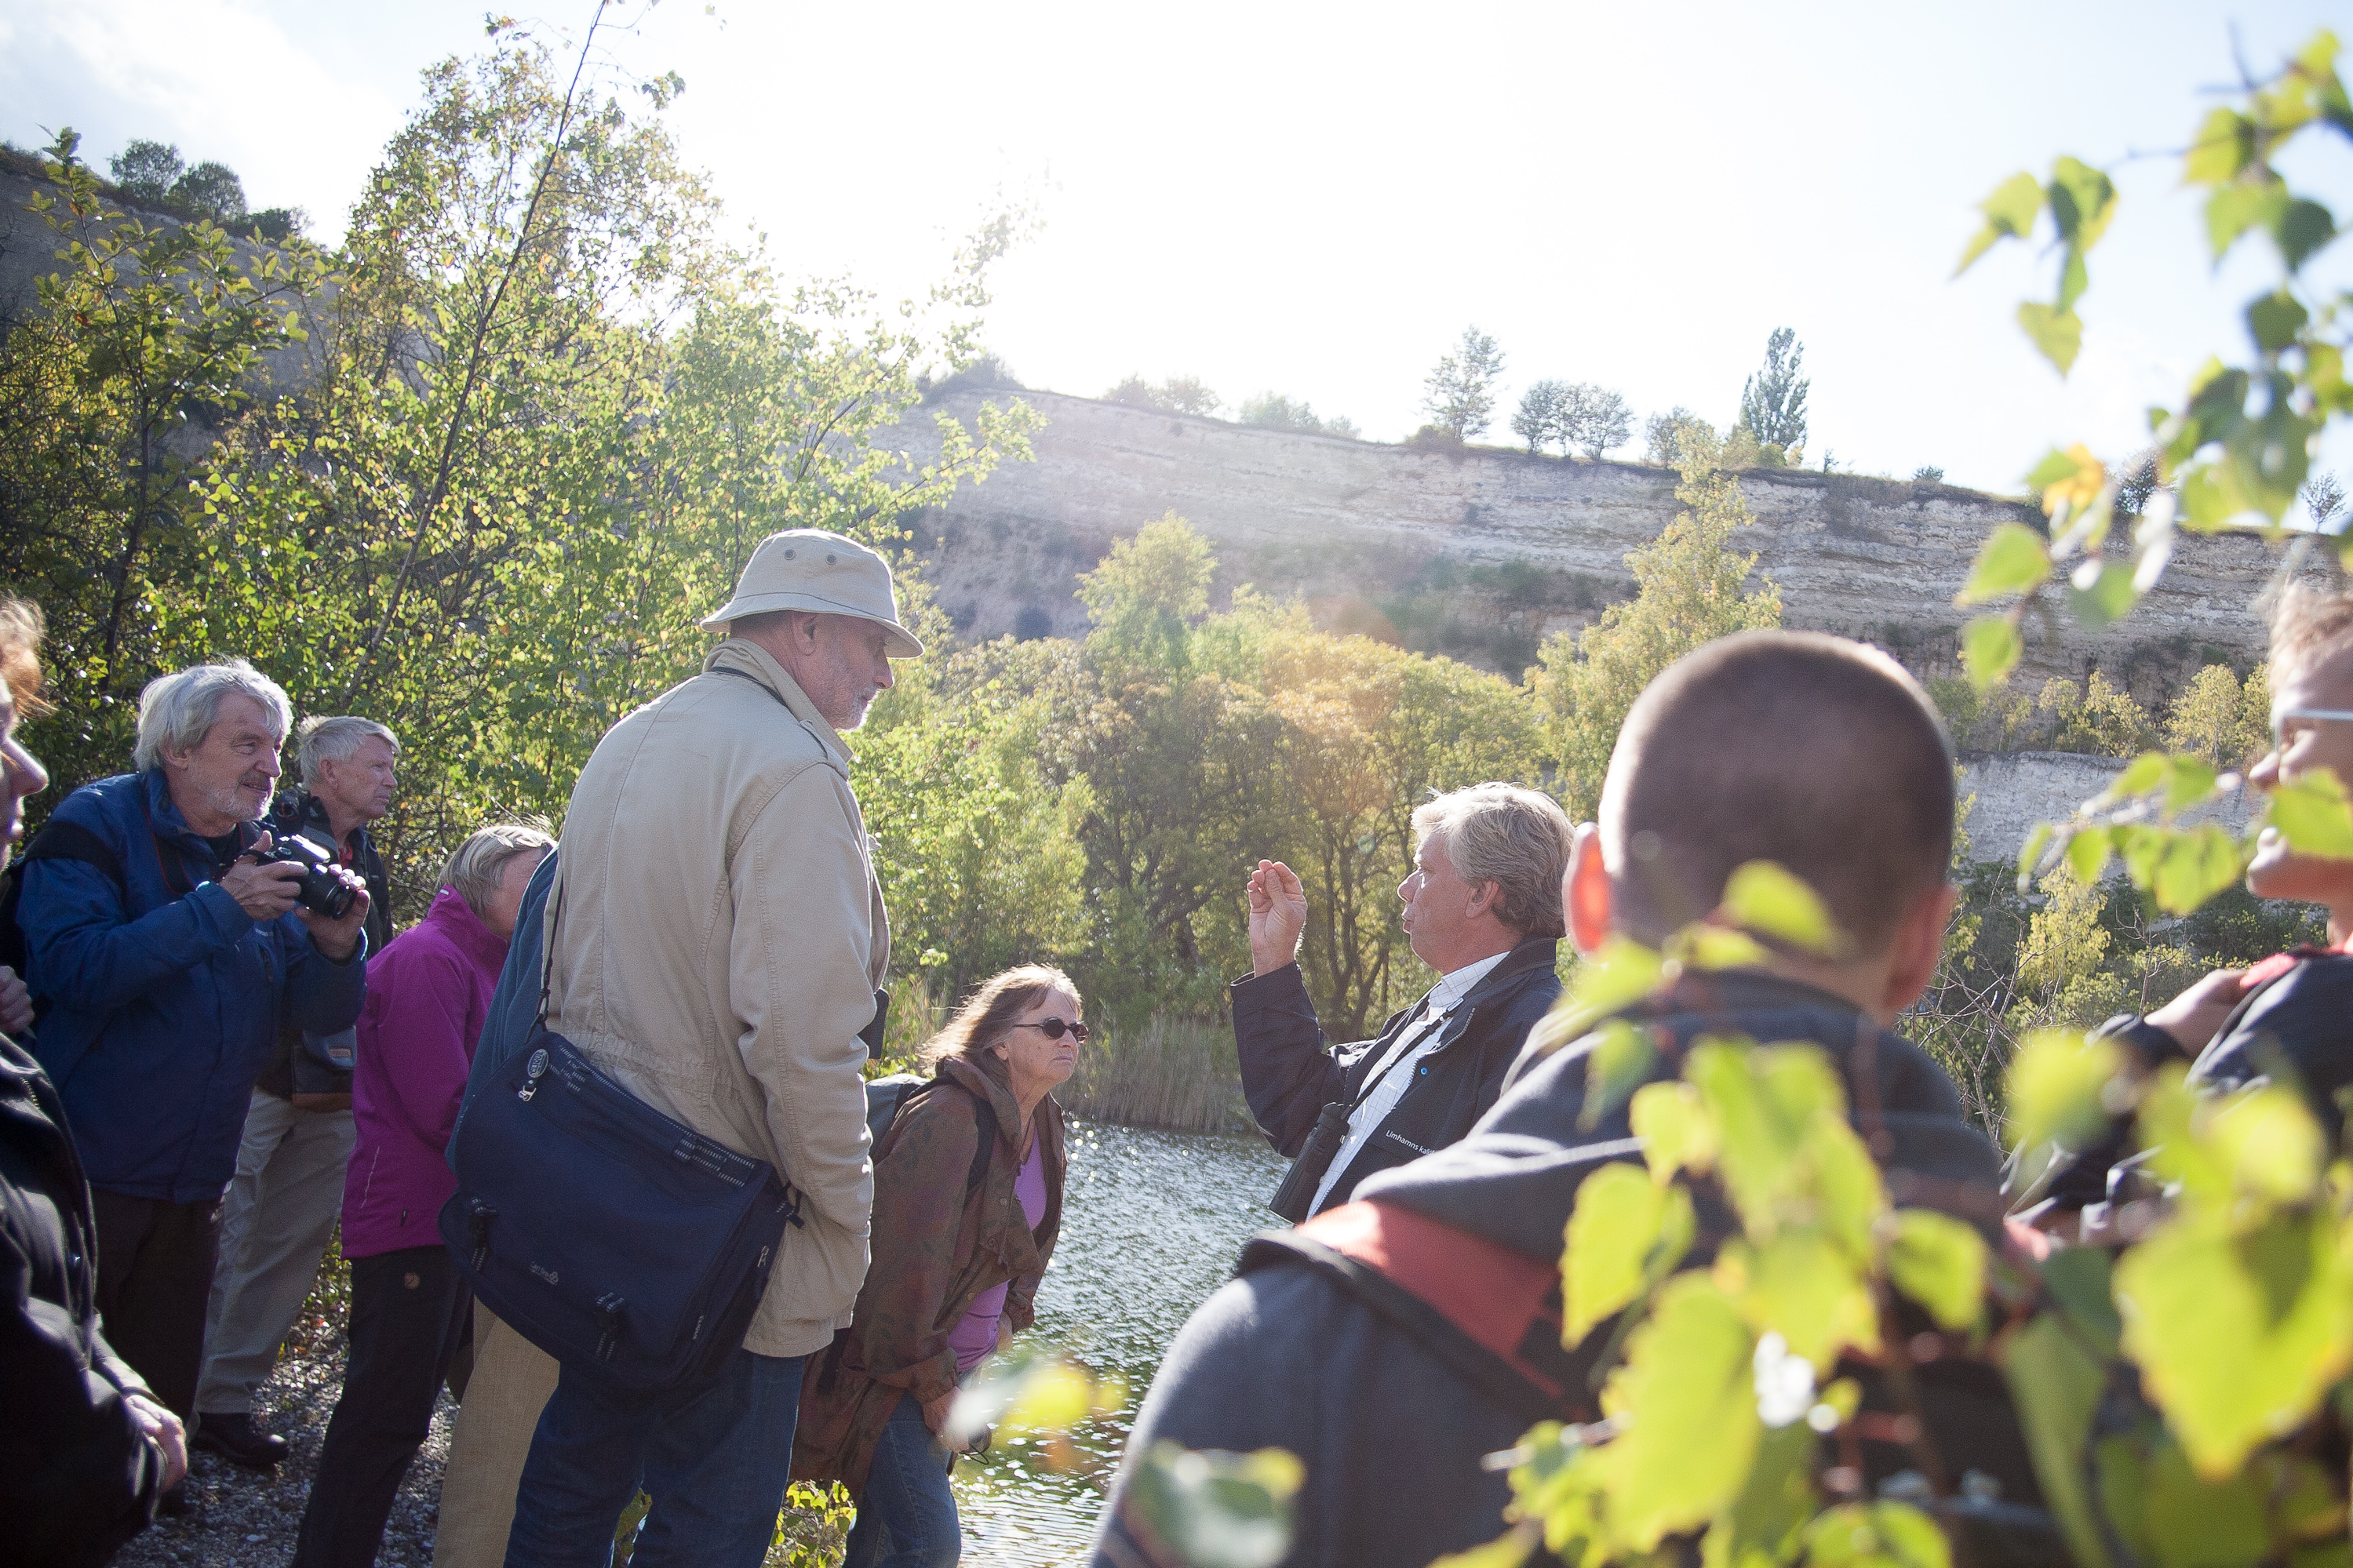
428	994
955	1274
166	954
86	1451
716	945
282	1205
2289	1016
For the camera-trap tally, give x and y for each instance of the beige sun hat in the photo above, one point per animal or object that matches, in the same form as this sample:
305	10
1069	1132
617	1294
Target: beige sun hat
824	574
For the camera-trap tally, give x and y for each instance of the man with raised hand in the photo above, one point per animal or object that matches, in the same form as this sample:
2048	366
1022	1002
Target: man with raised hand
283	1202
167	955
1482	909
1394	1342
715	943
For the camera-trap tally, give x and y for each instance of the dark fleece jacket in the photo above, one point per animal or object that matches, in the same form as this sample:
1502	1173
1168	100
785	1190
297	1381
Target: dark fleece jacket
2293	1026
77	1477
1283	1357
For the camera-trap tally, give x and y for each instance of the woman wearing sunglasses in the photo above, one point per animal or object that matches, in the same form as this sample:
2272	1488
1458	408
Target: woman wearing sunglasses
967	1202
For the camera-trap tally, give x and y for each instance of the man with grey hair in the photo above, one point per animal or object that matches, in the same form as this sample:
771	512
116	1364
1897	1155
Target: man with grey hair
1481	907
165	954
716	943
283	1202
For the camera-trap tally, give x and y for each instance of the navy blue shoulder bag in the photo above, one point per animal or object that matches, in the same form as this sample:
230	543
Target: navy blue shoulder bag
622	1243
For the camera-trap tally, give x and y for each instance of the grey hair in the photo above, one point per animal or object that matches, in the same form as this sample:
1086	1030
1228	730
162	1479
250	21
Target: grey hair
480	862
176	711
1517	838
325	740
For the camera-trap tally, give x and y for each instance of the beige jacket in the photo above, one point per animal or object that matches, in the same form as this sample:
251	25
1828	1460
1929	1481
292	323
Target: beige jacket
718	935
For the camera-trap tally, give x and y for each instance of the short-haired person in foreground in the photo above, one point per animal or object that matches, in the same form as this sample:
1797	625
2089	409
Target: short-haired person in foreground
86	1451
716	944
169	953
2290	1016
1816	754
1481	907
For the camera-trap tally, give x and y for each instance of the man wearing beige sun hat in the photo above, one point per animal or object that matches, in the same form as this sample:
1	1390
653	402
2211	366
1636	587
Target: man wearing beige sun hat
717	944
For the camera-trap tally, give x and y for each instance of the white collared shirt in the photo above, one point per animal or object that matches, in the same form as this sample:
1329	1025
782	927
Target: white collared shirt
1414	1042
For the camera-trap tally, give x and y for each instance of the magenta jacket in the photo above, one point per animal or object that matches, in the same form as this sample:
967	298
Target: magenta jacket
427	998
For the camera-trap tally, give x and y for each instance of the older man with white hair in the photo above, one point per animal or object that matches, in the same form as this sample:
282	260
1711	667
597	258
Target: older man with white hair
164	953
283	1202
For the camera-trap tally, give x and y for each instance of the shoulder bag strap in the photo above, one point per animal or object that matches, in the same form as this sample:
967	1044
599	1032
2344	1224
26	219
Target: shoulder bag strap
547	956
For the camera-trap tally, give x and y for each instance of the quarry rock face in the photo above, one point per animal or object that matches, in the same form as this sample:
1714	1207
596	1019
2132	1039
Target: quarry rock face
1480	553
2006	795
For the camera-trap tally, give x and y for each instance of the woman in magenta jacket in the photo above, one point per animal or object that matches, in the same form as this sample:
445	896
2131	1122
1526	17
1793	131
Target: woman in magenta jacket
426	999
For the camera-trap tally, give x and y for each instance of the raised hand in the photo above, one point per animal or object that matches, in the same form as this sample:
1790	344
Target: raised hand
1277	914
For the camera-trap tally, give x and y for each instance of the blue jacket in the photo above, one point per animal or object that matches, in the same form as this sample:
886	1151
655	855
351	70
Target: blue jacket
162	1009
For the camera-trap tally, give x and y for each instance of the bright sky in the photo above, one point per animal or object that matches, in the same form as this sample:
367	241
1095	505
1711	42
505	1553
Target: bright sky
1316	199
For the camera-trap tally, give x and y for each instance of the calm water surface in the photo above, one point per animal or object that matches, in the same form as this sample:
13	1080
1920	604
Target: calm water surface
1151	1224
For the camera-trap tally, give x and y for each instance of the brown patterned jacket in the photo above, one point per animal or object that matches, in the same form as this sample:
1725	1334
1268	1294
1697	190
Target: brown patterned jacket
938	1243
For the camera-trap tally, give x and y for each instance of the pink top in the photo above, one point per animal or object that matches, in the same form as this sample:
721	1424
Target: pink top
975	1336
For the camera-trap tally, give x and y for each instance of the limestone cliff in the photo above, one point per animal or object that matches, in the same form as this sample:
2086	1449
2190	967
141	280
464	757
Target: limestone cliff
1480	553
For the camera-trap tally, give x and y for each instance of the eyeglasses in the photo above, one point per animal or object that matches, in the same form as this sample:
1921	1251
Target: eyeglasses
2280	719
1055	1028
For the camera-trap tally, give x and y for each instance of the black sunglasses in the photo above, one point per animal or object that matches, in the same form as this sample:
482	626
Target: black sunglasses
1055	1028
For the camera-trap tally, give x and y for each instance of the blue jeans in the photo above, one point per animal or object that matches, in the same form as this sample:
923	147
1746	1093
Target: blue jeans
907	1518
714	1457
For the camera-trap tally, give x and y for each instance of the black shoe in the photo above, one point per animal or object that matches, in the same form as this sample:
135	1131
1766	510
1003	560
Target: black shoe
236	1439
173	1504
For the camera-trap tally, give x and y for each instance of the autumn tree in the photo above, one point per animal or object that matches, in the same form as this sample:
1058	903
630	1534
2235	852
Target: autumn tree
2219	717
2100	718
1369	732
1690	584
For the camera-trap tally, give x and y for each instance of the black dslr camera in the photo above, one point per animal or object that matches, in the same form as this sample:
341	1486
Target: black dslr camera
320	889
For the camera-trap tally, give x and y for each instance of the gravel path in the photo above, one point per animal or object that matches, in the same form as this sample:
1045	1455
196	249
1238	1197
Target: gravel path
248	1519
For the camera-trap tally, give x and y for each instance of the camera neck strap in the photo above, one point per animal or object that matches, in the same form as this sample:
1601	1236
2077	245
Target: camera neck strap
172	861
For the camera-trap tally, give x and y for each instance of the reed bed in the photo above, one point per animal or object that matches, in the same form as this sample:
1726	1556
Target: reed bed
1176	1073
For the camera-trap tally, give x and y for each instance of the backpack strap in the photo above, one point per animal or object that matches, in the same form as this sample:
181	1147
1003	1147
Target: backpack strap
987	1116
56	841
1489	1314
72	841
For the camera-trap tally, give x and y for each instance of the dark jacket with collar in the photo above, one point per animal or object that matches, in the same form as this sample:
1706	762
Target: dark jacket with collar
77	1478
300	810
1392	1437
2294	1027
163	1003
1290	1072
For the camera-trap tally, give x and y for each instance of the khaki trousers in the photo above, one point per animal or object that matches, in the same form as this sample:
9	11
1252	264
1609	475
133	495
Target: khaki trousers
275	1222
487	1444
